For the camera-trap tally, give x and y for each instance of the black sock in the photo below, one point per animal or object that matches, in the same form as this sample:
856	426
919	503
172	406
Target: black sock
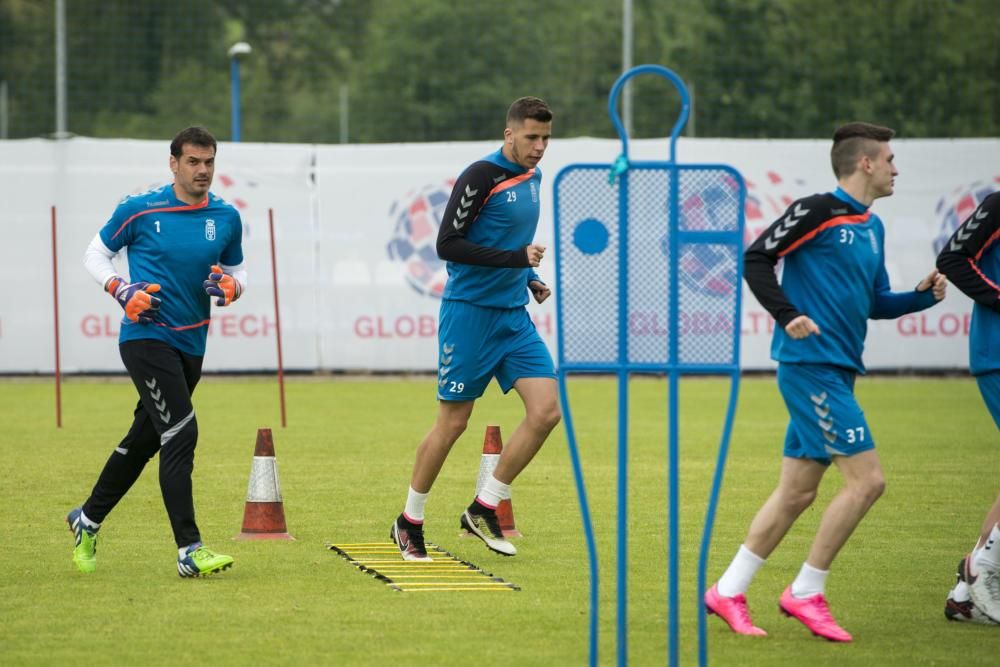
480	509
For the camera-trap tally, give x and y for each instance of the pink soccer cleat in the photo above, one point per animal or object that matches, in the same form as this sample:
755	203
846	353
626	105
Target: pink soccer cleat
814	613
733	611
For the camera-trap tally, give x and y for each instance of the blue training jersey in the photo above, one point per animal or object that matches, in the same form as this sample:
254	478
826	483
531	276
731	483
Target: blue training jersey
834	272
971	260
175	245
490	219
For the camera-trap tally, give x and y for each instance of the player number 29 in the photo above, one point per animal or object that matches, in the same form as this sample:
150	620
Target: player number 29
856	434
457	387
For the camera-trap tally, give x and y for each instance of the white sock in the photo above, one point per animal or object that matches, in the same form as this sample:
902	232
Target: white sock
809	582
493	492
502	489
987	557
415	503
737	577
90	525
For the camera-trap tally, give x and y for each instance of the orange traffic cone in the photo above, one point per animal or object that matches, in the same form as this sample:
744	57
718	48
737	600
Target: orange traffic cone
492	447
264	514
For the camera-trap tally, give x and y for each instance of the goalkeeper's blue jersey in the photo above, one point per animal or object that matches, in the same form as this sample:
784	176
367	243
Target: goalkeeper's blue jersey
175	245
490	218
834	272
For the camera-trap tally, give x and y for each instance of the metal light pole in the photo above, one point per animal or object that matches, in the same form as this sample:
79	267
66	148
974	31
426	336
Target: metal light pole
236	51
344	110
3	110
60	69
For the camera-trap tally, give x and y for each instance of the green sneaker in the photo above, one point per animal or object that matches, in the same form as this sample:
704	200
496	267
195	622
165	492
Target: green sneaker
199	561
85	552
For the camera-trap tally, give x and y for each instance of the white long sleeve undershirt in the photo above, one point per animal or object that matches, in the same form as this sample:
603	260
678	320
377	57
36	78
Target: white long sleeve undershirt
97	260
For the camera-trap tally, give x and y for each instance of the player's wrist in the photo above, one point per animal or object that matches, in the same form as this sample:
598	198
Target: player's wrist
786	318
525	259
113	284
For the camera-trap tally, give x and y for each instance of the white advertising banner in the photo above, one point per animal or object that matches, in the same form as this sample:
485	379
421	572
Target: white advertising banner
355	227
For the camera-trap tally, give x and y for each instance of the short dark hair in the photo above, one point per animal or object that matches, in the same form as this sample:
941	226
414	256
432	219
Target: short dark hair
196	135
851	141
528	107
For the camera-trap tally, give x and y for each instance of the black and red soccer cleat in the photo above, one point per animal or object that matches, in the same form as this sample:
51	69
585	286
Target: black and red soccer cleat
409	537
959	605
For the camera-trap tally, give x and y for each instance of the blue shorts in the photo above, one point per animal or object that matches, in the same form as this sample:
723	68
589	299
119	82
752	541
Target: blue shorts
989	387
826	420
477	344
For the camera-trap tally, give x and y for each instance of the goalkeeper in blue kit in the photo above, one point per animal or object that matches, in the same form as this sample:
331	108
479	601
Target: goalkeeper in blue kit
834	280
184	251
485	332
971	260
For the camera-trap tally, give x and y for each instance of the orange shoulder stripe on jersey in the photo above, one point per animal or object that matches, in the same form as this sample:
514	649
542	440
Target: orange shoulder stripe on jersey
189	207
509	183
832	222
989	241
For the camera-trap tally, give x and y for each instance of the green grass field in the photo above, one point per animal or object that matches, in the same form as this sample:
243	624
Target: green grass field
344	463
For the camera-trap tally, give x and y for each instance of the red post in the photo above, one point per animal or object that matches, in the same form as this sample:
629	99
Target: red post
55	309
277	317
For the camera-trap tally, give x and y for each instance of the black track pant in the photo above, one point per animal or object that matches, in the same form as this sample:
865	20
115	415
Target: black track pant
163	421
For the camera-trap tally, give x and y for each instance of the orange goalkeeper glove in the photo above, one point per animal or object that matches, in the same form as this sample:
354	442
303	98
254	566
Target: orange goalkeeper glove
136	299
223	286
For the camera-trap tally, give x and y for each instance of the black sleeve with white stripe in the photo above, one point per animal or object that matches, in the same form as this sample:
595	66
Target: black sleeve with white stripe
802	217
958	259
467	199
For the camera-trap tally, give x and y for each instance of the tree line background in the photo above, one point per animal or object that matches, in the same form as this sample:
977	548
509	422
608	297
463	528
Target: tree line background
445	70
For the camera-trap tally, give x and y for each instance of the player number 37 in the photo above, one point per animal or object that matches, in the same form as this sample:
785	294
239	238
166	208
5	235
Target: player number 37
856	434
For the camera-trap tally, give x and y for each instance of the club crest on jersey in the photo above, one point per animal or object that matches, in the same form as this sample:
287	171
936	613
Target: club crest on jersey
209	229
